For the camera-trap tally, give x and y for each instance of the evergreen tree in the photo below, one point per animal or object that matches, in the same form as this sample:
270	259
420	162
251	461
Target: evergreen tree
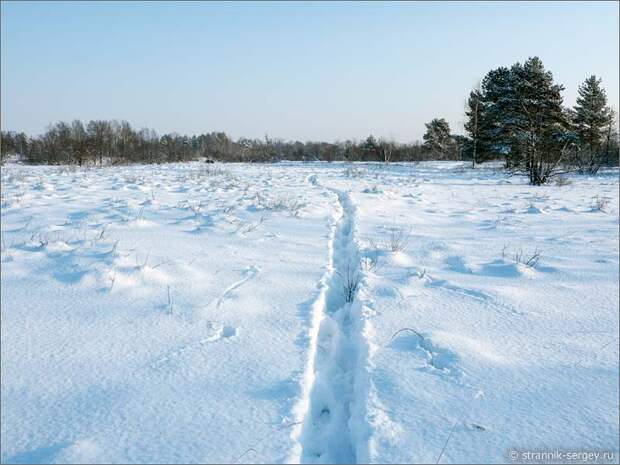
537	121
495	133
437	139
473	146
370	148
518	115
592	119
612	151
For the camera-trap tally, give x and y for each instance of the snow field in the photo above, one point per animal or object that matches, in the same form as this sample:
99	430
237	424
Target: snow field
321	313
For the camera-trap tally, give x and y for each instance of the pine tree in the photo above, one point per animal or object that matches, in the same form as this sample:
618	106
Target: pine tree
612	152
437	139
518	115
592	119
370	148
496	138
538	121
473	126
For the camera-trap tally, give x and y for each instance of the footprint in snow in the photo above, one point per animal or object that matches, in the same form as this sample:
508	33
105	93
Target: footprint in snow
437	360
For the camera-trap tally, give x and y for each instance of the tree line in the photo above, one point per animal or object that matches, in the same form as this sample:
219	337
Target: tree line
116	142
516	114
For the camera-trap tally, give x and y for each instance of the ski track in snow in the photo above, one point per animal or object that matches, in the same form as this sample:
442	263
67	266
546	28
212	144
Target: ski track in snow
329	431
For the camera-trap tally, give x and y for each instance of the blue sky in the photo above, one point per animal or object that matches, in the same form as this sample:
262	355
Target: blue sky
308	71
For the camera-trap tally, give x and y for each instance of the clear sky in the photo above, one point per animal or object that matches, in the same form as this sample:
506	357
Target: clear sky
307	71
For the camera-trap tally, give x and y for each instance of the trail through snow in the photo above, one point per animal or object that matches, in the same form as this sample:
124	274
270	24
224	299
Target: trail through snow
329	431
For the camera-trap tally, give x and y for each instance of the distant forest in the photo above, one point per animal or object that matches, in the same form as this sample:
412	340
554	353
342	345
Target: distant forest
516	114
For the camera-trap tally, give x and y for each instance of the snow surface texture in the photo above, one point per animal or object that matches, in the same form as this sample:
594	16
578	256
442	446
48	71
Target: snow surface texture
318	313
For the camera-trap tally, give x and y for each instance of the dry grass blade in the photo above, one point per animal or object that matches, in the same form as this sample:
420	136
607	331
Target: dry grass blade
411	330
351	281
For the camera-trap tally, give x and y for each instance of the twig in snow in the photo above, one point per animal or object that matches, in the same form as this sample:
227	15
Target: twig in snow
246	452
252	226
169	301
370	263
114	247
351	281
146	260
411	330
529	262
398	240
165	262
112	279
600	203
478	395
251	449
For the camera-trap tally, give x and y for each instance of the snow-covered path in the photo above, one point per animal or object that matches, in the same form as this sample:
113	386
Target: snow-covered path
327	434
182	313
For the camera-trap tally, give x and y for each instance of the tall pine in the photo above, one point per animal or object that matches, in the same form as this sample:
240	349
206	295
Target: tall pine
495	134
592	120
482	134
538	120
